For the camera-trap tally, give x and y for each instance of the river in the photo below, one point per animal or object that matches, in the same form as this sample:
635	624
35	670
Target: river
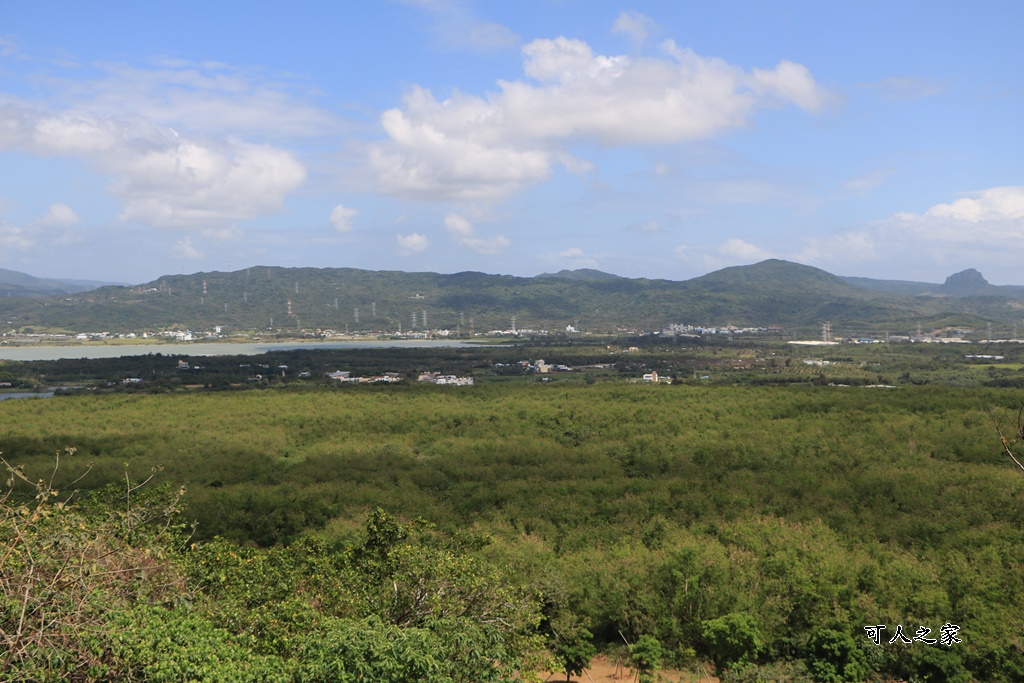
206	348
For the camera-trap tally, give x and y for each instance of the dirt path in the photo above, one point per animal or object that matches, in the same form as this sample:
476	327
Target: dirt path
603	670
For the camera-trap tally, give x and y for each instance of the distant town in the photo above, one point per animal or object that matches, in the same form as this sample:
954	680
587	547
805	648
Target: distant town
677	331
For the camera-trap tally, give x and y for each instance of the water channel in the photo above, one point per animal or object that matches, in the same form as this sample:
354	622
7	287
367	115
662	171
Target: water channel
207	348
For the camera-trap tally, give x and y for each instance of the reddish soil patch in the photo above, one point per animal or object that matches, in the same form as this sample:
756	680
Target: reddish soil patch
604	670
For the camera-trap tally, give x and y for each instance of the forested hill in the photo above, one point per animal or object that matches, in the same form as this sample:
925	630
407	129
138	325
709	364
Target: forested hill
772	292
16	284
966	283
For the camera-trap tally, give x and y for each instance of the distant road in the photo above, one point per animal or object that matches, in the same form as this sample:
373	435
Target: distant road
205	349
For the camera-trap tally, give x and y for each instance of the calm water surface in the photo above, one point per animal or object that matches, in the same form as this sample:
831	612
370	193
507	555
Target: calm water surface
204	349
25	394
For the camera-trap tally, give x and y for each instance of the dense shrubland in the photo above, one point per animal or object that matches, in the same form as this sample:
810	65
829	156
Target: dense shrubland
758	528
110	588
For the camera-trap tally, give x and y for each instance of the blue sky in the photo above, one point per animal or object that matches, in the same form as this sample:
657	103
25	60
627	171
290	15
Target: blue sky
649	139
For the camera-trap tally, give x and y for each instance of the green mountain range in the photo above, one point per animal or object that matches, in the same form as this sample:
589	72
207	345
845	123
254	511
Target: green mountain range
15	284
796	297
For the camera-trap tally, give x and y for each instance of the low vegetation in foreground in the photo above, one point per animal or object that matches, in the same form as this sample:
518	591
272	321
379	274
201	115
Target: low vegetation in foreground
474	533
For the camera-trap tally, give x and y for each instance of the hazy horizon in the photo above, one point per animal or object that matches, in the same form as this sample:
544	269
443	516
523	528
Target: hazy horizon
454	272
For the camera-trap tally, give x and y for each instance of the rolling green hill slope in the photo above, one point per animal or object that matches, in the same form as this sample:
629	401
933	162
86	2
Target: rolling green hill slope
16	284
797	297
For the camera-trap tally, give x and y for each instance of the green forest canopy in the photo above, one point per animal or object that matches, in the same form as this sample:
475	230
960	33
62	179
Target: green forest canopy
651	510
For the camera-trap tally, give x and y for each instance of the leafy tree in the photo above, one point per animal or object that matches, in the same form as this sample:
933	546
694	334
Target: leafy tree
835	658
645	656
573	648
733	639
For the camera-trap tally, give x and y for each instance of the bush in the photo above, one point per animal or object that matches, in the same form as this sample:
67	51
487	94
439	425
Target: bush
732	640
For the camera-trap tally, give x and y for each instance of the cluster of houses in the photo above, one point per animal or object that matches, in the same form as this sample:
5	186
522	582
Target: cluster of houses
345	376
438	378
392	377
539	365
683	329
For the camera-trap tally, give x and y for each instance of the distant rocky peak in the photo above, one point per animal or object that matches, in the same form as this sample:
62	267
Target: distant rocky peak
966	280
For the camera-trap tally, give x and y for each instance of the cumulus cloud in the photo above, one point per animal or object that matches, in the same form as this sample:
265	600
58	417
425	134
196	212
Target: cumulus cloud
465	234
425	162
164	178
485	147
994	216
411	244
59	216
994	204
341	218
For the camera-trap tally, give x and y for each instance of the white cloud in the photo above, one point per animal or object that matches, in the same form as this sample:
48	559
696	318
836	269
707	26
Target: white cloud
455	26
485	147
188	184
790	83
994	204
59	216
742	250
341	218
206	96
993	217
410	244
732	252
164	178
635	25
572	164
573	257
424	162
843	248
458	226
186	249
465	234
13	237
